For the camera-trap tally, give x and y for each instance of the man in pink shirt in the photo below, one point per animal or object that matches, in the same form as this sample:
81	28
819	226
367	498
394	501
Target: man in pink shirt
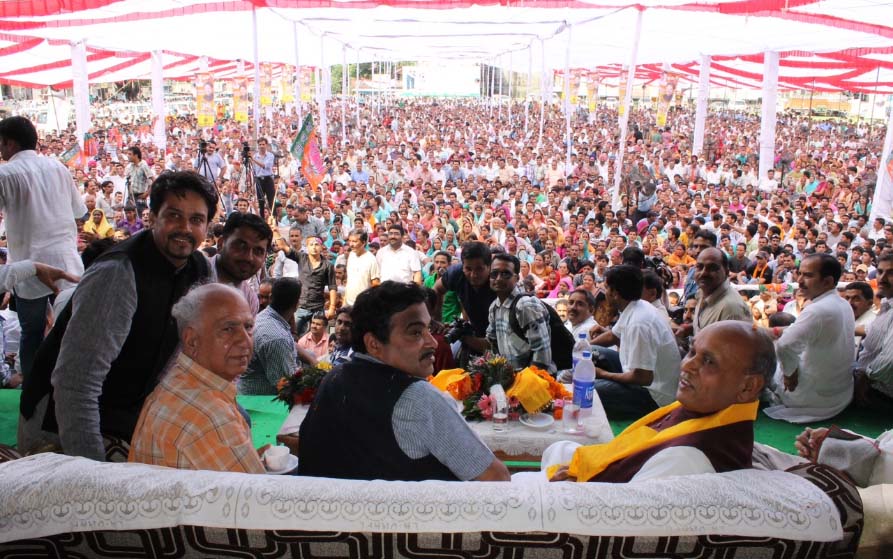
317	338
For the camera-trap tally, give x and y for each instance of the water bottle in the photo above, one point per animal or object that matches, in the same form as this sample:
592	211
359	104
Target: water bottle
584	387
580	346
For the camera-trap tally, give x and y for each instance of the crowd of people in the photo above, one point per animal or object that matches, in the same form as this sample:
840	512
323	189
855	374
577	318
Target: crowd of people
442	229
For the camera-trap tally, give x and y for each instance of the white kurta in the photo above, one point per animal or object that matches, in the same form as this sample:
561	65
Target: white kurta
820	345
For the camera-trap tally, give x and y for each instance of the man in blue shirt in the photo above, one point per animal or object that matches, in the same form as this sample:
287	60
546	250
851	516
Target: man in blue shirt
262	162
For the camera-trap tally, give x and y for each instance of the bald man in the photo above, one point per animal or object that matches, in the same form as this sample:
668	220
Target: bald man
708	429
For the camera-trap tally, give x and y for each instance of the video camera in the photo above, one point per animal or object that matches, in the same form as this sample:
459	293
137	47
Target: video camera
202	146
246	150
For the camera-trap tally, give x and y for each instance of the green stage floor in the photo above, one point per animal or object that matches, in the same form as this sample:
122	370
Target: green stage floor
267	416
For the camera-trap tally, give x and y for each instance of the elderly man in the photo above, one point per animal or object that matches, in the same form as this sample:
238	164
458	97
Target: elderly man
580	307
814	379
717	300
860	296
191	421
375	416
708	429
644	375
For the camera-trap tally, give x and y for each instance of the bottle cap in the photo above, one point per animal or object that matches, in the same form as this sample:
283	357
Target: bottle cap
581	335
587	355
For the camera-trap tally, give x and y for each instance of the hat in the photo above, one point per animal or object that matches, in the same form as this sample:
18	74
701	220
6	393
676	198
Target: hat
862	268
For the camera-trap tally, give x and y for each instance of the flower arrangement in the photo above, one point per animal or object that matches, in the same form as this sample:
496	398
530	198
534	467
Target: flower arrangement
530	390
301	387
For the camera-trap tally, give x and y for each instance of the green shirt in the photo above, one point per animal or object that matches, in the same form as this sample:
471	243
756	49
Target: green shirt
451	307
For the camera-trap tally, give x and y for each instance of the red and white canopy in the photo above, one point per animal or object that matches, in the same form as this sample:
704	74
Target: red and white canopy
830	45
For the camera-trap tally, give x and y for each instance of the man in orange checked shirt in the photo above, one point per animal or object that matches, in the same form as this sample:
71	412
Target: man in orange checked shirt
191	421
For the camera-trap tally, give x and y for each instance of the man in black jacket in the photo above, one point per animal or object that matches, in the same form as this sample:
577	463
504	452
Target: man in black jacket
108	349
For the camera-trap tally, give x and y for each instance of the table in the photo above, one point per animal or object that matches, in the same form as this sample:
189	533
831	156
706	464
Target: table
517	443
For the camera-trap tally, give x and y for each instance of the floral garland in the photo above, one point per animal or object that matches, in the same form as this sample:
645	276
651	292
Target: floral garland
301	387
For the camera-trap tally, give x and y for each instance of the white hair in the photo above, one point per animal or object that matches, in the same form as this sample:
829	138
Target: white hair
191	306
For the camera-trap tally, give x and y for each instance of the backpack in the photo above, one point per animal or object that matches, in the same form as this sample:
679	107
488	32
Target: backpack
561	338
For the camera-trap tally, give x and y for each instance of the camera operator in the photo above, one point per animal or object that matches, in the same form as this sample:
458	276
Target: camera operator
263	162
470	280
209	163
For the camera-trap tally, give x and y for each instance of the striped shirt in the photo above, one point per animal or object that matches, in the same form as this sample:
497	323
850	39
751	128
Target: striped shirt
533	318
274	355
191	421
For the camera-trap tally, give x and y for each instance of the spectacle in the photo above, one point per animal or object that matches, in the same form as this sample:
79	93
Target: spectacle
494	274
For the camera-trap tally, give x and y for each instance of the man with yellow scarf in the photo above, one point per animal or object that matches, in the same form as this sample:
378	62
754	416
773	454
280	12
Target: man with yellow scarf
708	429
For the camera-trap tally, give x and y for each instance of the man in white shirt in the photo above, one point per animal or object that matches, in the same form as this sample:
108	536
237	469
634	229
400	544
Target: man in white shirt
362	267
860	296
40	202
814	379
396	261
649	361
580	307
768	183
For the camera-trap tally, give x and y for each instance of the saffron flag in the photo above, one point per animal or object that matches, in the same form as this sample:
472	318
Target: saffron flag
73	157
305	148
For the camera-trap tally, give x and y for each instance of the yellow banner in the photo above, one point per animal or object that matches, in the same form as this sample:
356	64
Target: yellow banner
266	84
240	100
287	83
621	92
575	90
306	76
592	92
204	99
665	97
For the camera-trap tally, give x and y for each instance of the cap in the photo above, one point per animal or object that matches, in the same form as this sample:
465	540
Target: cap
862	268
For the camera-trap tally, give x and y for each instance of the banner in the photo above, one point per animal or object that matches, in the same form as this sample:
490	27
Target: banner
305	74
575	89
240	100
266	84
592	91
287	84
204	99
305	148
621	91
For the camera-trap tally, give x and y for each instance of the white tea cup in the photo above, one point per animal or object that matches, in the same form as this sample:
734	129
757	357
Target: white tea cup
276	457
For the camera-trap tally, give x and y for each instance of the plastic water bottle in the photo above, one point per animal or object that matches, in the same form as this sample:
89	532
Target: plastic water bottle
580	346
584	387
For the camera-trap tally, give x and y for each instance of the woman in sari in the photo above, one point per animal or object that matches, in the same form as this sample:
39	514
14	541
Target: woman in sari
98	225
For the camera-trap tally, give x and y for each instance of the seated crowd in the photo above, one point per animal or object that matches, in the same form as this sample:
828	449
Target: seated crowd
707	298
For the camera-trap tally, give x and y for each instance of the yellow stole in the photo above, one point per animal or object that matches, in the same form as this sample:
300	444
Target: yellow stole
591	460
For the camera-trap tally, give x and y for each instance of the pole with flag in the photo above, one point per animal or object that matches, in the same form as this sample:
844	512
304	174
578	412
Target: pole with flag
305	148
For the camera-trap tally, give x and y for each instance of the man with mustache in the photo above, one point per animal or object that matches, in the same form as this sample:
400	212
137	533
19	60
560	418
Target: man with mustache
110	344
874	363
243	249
375	416
191	420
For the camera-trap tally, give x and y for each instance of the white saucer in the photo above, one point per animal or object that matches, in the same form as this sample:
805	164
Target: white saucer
292	465
538	421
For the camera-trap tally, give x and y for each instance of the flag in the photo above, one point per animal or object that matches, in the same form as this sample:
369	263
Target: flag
73	157
305	148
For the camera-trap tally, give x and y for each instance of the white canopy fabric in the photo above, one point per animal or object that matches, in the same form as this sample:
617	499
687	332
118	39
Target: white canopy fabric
829	45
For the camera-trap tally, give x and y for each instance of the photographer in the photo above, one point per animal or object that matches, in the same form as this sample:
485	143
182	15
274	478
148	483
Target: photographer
470	280
263	173
209	163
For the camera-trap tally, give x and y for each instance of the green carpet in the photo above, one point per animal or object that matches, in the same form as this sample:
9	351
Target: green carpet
267	416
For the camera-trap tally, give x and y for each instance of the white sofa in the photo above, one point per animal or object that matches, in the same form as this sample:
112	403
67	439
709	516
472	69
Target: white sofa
54	505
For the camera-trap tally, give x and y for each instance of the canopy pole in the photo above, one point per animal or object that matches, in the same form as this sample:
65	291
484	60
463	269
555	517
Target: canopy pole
81	91
527	98
158	131
256	100
298	103
499	101
624	119
882	206
356	90
567	103
323	94
543	94
511	90
492	86
701	109
345	72
769	118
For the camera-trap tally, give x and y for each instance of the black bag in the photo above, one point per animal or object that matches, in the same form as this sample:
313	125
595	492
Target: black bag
562	340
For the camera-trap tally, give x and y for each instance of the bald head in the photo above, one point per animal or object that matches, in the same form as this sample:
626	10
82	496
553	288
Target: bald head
729	363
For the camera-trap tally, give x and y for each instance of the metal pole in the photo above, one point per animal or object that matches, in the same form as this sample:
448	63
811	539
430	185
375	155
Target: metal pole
527	98
256	103
543	92
567	103
298	103
511	92
624	120
356	90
